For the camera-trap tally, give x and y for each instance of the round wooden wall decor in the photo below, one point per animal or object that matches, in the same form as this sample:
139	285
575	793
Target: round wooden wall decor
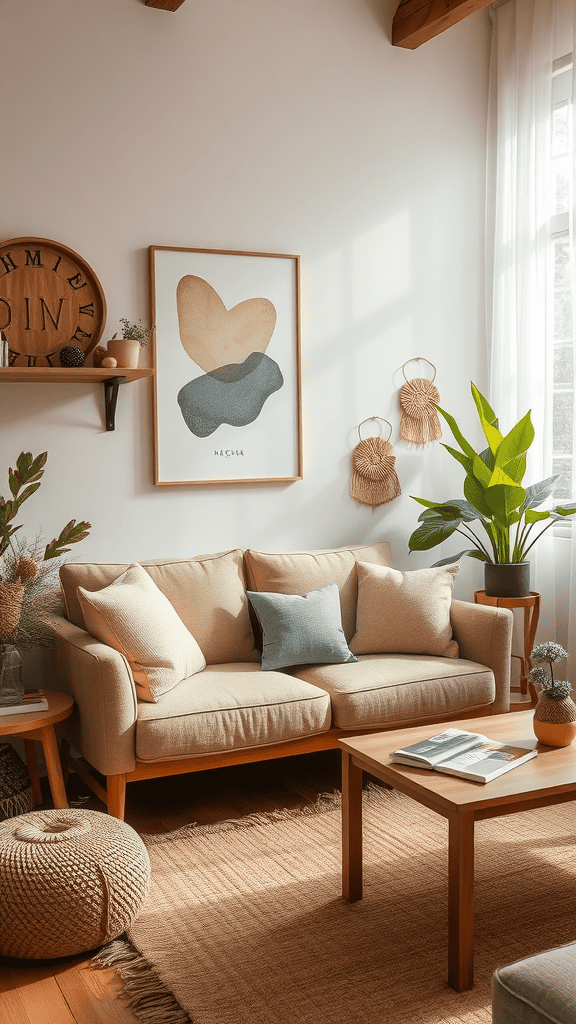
49	297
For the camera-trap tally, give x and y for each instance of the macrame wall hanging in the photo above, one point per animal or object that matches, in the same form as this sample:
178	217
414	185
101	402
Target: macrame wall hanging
374	481
419	423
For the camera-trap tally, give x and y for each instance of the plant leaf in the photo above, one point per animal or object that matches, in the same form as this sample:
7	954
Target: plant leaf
462	459
27	493
516	442
452	510
488	458
432	532
423	501
471	552
72	533
537	493
481	472
516	468
459	436
487	418
535	517
504	499
565	510
475	494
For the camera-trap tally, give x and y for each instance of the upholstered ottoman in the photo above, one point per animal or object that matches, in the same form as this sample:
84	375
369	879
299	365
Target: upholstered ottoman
538	990
70	880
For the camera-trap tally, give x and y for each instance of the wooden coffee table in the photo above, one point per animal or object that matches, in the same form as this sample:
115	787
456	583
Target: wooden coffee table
547	779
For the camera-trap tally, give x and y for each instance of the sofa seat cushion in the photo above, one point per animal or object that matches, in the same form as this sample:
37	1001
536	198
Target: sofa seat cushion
298	572
208	593
229	707
390	689
538	990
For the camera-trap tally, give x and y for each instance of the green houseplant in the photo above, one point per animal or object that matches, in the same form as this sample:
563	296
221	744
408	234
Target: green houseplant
506	516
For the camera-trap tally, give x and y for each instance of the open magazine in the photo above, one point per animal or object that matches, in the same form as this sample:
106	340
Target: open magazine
467	754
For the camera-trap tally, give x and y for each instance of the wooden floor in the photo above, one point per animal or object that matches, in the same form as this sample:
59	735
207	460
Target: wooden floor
68	990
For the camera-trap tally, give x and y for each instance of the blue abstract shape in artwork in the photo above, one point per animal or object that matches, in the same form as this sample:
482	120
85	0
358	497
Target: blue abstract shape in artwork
233	394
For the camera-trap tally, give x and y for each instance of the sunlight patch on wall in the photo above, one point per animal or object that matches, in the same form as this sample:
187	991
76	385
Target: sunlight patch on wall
380	266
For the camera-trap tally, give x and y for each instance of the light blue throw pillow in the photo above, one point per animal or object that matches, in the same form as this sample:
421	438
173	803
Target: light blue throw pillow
301	629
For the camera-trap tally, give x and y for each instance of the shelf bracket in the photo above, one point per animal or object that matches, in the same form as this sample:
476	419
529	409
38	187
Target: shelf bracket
110	399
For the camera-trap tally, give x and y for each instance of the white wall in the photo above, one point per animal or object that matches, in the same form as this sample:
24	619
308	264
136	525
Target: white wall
258	125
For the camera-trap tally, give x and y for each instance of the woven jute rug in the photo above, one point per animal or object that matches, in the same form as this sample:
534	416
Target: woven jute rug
245	923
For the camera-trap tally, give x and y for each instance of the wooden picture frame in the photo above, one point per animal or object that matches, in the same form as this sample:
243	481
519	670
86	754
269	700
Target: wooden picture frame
227	390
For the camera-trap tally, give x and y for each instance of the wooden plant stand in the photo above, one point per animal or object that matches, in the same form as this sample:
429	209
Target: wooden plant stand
531	606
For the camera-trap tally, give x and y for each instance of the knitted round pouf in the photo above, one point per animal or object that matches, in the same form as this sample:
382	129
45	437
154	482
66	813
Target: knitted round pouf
70	880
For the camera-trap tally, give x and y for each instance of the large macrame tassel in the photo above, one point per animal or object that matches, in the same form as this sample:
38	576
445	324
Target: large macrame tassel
374	481
419	423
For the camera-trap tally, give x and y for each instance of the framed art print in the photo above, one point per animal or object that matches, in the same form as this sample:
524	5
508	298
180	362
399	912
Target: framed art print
227	358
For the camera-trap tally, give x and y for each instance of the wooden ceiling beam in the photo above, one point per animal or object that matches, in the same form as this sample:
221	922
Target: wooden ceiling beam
165	5
417	21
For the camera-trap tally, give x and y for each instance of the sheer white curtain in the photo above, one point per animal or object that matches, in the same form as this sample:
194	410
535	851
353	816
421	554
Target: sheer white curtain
528	36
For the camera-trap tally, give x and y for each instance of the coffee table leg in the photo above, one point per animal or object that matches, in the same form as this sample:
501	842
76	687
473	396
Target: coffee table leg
351	829
461	901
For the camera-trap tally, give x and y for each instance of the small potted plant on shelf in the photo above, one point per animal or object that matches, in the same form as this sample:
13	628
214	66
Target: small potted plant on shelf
126	350
555	712
29	586
494	498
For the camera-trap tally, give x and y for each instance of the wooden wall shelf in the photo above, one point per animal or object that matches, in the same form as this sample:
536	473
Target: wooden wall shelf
110	378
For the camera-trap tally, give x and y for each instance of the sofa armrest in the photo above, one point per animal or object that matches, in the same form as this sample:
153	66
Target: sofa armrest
100	681
486	639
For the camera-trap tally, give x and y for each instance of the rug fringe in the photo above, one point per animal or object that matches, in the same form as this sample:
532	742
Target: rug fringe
144	992
324	802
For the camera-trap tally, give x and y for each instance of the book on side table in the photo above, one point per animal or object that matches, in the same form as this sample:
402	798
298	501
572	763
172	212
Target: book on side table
33	701
467	754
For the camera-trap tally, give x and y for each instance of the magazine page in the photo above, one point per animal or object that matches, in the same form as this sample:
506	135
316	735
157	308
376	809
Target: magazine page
487	761
429	752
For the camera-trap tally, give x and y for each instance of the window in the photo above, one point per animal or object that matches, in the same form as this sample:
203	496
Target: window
560	243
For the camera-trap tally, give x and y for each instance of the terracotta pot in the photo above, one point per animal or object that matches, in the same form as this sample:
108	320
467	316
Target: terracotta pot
126	352
507	579
555	721
11	595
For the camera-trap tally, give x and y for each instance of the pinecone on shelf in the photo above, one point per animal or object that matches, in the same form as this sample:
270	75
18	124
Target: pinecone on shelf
71	356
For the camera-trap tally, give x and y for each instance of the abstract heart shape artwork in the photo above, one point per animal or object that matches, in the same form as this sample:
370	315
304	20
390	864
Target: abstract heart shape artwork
214	336
231	394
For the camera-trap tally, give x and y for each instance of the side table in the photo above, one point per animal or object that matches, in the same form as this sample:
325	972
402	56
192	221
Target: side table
531	606
39	725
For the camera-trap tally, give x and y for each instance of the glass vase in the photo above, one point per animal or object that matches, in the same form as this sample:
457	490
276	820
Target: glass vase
11	685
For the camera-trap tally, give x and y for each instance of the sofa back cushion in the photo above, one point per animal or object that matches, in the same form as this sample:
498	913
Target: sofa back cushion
298	572
208	593
404	612
133	616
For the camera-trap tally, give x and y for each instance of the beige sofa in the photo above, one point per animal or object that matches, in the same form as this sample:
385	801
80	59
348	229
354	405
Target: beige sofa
231	711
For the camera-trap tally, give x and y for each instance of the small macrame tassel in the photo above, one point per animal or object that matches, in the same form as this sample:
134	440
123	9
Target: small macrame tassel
374	481
419	423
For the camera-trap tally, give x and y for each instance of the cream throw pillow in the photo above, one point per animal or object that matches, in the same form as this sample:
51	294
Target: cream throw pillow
404	612
135	618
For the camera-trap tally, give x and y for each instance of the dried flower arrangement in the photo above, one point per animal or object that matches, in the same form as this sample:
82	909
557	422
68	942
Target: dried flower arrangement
135	332
29	589
546	654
